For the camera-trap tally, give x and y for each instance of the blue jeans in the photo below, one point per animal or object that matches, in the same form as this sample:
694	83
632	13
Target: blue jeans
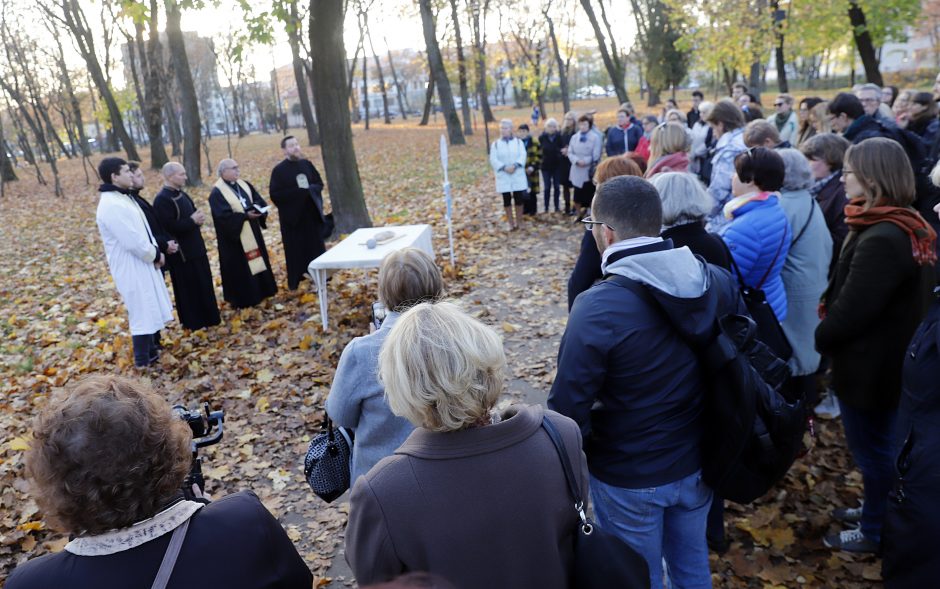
870	437
661	522
551	179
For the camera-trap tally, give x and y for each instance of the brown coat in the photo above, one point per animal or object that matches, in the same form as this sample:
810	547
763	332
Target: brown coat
482	507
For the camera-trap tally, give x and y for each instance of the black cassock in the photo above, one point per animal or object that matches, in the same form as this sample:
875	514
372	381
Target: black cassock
300	214
189	267
156	228
240	287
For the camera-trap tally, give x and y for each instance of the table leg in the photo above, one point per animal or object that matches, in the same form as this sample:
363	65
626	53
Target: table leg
320	277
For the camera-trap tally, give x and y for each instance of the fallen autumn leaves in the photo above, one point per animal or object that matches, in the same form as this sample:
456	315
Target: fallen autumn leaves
270	367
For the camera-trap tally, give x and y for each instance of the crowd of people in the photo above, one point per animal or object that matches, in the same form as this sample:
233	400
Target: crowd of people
687	221
142	239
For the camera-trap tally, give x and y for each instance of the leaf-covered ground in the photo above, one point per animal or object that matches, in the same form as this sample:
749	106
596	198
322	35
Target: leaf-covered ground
61	318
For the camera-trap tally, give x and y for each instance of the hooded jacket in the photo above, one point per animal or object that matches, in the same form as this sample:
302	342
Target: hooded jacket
627	376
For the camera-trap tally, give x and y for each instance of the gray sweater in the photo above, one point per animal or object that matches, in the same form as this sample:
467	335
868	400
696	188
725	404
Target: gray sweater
357	401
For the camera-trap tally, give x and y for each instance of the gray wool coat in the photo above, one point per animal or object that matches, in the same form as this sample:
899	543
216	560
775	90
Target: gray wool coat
357	401
482	507
804	277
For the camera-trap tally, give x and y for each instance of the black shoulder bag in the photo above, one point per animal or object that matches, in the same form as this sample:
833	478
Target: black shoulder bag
601	559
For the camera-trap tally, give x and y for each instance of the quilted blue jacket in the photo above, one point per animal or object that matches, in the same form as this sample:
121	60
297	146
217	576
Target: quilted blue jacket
759	229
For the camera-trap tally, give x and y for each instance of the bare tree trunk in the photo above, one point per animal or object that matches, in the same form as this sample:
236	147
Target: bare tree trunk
7	172
152	63
192	129
331	99
365	88
74	19
74	104
400	94
378	67
863	42
293	39
479	51
461	72
436	63
428	102
616	69
559	62
171	109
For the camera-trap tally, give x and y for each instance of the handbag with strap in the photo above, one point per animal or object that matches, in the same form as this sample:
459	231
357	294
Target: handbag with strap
601	559
328	461
769	330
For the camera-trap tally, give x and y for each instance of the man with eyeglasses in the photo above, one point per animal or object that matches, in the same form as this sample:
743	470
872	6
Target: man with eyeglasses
870	97
847	115
633	385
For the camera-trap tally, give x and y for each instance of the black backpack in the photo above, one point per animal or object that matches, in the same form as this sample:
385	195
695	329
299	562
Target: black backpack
752	434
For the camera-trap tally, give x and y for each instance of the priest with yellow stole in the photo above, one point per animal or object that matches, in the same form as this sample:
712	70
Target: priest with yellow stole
239	213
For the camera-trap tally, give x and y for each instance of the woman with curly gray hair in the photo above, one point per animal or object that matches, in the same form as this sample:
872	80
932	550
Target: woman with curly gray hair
475	494
106	463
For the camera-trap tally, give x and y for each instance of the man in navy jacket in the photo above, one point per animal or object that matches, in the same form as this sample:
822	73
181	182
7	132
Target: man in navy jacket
628	378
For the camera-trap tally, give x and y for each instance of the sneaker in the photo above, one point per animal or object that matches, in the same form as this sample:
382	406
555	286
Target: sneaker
847	515
851	541
828	407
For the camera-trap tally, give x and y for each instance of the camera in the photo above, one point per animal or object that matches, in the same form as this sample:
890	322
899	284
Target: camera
207	430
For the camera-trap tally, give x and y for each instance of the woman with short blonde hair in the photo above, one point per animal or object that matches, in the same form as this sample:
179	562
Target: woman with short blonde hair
465	467
357	400
669	149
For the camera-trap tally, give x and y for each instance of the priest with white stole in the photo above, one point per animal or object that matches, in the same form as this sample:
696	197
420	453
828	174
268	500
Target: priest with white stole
134	259
239	213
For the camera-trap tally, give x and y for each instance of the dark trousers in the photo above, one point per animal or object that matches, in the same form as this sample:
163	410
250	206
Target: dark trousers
870	437
715	524
145	350
552	181
566	194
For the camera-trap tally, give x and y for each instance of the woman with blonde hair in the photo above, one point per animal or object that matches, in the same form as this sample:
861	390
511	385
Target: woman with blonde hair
819	117
357	399
472	484
879	293
669	149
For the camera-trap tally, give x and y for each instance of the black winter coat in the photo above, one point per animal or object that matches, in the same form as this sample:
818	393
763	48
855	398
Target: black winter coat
233	542
911	531
551	151
832	201
875	300
701	242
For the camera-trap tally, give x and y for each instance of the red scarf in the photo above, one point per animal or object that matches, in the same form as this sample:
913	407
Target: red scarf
922	235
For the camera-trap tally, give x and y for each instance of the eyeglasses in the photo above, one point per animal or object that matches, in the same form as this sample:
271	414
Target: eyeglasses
590	222
846	171
779	103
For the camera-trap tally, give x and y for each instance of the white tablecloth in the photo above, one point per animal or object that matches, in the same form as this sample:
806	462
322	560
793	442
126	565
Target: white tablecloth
352	252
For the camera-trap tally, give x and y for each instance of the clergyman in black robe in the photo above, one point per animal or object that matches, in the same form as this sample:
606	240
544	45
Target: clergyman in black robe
189	266
243	259
296	189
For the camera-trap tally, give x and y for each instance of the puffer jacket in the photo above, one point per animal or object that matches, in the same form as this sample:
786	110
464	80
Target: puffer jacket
759	239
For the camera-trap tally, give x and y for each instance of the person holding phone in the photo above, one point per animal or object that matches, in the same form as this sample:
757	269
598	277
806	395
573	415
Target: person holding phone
357	398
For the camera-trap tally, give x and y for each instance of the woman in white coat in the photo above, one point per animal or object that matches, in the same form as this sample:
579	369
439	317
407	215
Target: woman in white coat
133	258
507	158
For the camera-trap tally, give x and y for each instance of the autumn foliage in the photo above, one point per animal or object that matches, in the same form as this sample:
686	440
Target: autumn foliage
270	367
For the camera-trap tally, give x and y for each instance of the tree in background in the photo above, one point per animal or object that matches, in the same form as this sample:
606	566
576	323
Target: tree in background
331	99
439	73
658	34
614	58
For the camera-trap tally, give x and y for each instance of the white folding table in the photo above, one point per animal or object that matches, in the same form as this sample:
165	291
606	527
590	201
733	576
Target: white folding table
352	252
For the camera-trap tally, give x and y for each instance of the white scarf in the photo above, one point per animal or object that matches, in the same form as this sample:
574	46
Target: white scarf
142	532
